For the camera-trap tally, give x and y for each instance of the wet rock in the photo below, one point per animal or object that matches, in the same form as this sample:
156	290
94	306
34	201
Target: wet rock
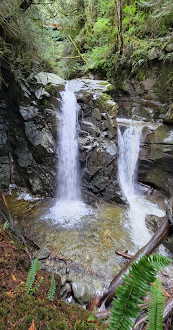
30	147
28	112
82	292
45	78
43	253
39	135
156	159
4	171
40	93
66	289
98	138
24	156
168	118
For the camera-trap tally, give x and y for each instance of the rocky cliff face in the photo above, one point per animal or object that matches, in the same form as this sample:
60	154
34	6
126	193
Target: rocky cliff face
28	138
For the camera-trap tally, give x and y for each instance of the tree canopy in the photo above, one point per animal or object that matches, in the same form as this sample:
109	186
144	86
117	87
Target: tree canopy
52	34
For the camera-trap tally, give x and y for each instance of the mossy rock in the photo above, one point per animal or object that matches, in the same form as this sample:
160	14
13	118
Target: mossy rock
106	104
168	118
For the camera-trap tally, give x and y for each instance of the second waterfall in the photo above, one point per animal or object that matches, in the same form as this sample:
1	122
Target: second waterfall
129	135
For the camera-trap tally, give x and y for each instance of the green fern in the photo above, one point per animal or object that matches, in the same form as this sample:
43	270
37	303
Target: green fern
52	289
156	307
5	225
125	306
31	275
36	287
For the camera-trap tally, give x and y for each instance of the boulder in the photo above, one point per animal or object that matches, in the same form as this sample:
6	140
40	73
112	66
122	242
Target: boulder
45	78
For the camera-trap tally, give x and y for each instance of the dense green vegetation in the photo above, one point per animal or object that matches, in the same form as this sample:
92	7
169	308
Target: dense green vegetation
109	35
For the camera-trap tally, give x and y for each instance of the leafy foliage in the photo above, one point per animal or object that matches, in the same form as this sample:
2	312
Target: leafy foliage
28	44
52	289
94	27
31	275
156	307
125	306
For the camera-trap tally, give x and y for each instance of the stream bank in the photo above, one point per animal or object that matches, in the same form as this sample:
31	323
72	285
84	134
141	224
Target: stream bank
19	310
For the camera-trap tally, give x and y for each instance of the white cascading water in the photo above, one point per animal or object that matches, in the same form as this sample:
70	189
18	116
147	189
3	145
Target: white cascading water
129	134
69	205
68	177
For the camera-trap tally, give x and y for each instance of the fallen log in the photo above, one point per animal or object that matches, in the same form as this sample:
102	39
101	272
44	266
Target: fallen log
154	242
168	310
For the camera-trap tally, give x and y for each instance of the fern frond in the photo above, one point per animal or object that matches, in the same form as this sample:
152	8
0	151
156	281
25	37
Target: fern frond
31	275
125	306
52	289
156	307
36	287
5	225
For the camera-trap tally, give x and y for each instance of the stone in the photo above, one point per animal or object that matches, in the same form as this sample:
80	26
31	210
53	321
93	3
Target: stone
45	78
98	139
40	93
168	118
39	135
24	156
43	253
28	112
156	159
96	114
82	292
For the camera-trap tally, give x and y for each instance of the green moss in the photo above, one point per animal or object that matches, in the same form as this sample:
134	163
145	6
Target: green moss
61	317
110	89
28	318
49	88
103	83
141	74
105	97
164	84
54	325
3	312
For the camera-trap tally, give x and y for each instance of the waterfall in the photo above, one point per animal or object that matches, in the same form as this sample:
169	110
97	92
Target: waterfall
129	145
129	135
68	177
69	206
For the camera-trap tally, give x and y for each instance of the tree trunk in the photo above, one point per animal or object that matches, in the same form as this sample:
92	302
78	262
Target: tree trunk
121	27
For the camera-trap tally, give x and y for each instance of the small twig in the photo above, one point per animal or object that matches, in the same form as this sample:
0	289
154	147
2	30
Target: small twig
125	255
29	239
